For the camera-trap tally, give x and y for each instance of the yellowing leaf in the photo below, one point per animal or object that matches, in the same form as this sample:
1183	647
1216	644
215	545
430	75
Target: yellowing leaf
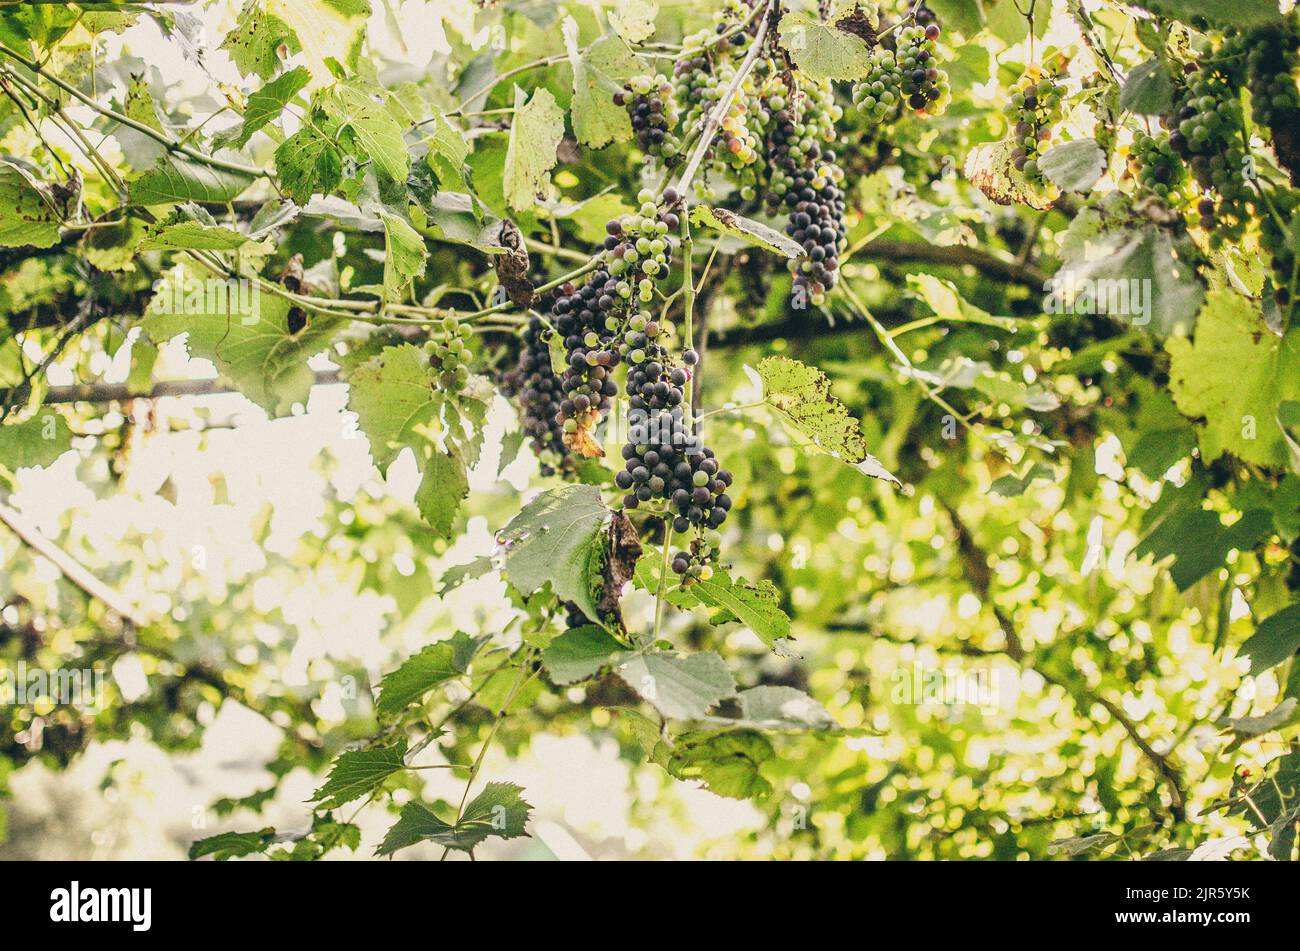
535	136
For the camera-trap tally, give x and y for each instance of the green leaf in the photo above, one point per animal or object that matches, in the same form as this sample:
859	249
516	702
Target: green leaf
457	575
444	486
176	178
308	163
1147	89
31	211
232	845
1223	12
727	763
266	105
680	686
1235	373
535	136
580	653
182	233
405	255
1074	166
598	73
498	811
254	41
418	674
1281	716
801	395
748	230
824	51
755	606
1139	276
942	297
362	110
35	442
1275	640
780	707
1200	543
447	153
398	406
360	773
559	539
245	333
634	20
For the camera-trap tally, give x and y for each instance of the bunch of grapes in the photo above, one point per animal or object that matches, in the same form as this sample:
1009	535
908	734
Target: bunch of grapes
598	321
1159	170
664	459
1208	133
877	96
1277	242
1034	107
451	354
539	391
1271	60
806	180
652	107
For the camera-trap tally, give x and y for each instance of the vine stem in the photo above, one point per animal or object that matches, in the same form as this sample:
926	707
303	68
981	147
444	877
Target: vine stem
520	682
663	579
173	144
719	111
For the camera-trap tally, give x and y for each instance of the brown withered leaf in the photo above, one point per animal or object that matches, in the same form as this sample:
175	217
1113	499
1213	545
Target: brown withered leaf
512	265
990	169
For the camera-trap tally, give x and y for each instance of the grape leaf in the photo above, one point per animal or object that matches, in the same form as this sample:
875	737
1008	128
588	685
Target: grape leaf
1225	12
1235	372
232	845
783	706
420	673
35	442
535	136
405	255
499	810
398	406
727	763
755	606
326	29
360	110
1074	166
559	538
30	210
801	395
176	178
266	105
457	575
598	73
824	51
1275	640
748	230
1147	89
447	153
680	686
245	333
634	20
360	773
254	41
308	163
580	653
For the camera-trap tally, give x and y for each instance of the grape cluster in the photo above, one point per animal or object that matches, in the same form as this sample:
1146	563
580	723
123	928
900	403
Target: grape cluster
1159	170
601	323
1277	242
1271	61
877	96
664	459
1034	107
651	105
539	391
451	354
909	73
1208	133
805	180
